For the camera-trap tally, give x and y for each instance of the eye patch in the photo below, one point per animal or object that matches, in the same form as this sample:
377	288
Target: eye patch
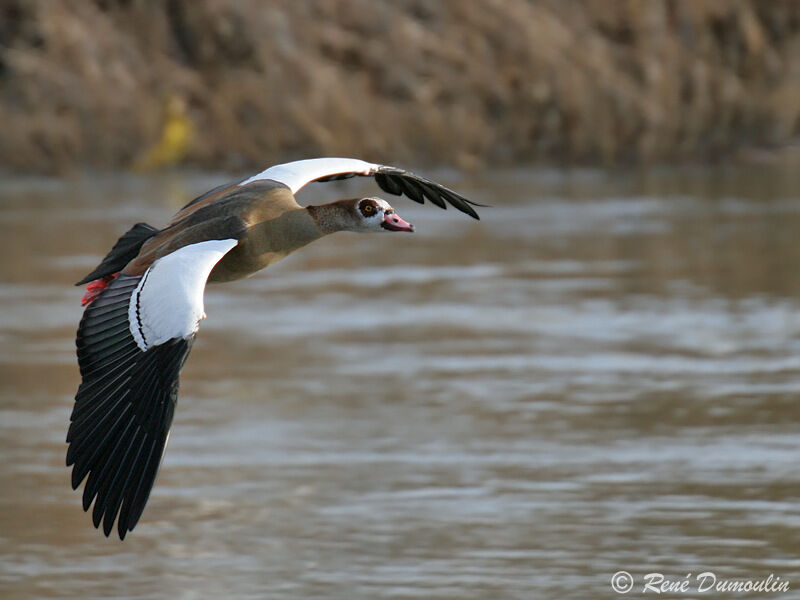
368	208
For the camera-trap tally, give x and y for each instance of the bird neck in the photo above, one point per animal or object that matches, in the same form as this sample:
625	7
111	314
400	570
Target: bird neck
332	217
272	240
279	237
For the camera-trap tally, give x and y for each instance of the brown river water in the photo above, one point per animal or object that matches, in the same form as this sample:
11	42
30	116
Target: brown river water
601	375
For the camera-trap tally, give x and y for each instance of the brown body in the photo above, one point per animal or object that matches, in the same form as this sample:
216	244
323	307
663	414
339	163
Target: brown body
262	215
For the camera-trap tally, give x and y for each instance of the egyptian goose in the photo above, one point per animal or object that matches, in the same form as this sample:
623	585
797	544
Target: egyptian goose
144	304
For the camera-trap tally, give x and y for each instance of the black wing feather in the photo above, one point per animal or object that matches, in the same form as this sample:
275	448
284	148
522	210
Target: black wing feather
124	251
387	184
123	409
432	194
400	182
121	479
411	189
337	177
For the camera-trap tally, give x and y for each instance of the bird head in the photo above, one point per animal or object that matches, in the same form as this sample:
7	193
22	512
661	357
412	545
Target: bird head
376	214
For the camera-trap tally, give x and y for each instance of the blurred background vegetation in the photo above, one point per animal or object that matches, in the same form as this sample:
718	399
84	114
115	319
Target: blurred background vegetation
234	84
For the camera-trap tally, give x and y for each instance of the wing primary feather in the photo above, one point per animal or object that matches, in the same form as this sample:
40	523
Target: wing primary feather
460	203
123	408
86	419
396	181
137	478
110	465
146	481
336	177
387	184
122	521
90	488
114	501
413	190
85	462
409	190
92	399
106	503
102	363
84	437
432	194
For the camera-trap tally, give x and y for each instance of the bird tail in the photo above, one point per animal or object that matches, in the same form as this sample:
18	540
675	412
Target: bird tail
123	252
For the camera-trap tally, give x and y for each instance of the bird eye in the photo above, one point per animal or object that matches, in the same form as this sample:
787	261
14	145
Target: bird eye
369	209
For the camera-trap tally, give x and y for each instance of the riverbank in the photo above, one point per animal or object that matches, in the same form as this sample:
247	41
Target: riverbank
236	85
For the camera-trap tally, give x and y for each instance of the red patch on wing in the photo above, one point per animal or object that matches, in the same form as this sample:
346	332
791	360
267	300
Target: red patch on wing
95	287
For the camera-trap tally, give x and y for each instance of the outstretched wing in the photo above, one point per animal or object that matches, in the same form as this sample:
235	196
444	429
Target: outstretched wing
395	181
132	342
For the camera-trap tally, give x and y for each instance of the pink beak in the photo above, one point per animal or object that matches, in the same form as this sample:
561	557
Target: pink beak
393	222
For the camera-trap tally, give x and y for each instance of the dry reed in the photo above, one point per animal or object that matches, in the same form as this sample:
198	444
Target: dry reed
462	82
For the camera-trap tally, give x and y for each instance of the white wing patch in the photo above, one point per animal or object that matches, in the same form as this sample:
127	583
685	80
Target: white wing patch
297	174
168	302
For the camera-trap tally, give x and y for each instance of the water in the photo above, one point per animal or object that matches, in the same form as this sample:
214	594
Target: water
602	374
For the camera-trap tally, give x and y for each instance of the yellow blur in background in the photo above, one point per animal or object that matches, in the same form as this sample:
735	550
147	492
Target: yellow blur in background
177	135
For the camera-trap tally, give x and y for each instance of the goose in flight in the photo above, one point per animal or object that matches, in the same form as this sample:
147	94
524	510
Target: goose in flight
144	304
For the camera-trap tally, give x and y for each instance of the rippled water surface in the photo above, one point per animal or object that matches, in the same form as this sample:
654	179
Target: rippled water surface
602	374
